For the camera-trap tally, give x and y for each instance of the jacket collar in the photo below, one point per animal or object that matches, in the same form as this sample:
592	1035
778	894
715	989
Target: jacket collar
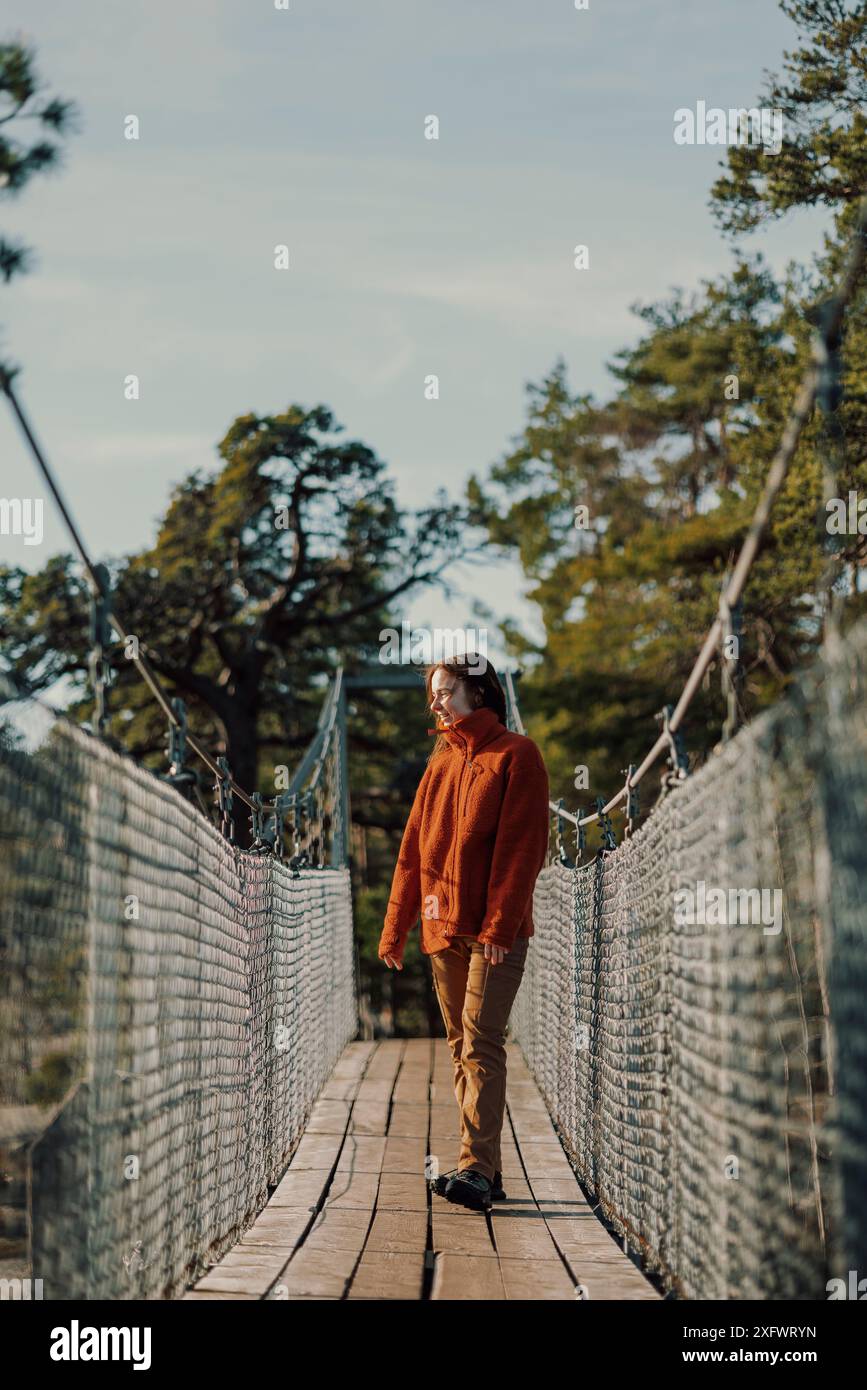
472	731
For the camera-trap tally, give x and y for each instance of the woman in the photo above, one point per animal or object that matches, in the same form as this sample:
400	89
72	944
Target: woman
474	844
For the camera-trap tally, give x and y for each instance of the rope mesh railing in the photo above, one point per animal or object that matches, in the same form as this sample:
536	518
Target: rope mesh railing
178	1003
173	1007
709	1080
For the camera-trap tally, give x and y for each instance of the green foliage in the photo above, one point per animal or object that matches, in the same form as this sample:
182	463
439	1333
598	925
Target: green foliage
671	466
264	576
19	87
823	99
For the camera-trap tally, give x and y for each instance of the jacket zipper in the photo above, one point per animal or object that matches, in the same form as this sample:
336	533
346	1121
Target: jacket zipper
462	810
467	761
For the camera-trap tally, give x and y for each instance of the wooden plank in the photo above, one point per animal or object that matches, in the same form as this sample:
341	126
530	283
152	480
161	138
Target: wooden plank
402	1192
547	1158
398	1233
353	1190
446	1148
517	1192
305	1297
561	1194
251	1280
601	1286
443	1158
387	1108
355	1059
467	1277
300	1187
316	1151
444	1107
334	1089
599	1262
444	1112
339	1228
387	1275
445	1122
539	1280
320	1273
404	1154
415	1063
350	1070
373	1090
368	1117
522	1235
443	1100
509	1153
249	1268
585	1232
329	1117
454	1235
362	1153
386	1058
596	1262
409	1120
255	1257
530	1127
279	1226
595	1265
203	1295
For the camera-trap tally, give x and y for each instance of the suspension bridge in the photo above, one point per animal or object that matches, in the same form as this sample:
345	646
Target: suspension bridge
687	1105
687	1095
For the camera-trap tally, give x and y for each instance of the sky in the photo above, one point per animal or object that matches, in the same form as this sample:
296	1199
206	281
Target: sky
408	257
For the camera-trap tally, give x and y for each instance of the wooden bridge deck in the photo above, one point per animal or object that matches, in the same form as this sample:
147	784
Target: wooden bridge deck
353	1217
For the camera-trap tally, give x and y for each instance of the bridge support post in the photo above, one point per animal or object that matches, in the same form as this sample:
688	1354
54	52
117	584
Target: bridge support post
100	641
340	844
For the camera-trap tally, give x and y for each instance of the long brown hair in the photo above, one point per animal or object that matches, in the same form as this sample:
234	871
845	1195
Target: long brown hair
482	684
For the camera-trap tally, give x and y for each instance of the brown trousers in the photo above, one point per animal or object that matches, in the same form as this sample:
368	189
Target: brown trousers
475	1000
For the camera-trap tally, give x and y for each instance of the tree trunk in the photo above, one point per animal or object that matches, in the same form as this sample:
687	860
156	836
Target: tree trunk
242	751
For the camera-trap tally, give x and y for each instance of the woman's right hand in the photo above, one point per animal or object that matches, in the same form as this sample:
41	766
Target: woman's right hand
393	962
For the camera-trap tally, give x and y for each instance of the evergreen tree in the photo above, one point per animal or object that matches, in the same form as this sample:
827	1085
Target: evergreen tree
19	162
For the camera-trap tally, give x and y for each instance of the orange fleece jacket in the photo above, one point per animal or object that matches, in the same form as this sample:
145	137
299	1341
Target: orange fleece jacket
475	840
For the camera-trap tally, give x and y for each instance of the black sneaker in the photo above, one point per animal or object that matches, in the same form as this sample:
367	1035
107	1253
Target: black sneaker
439	1184
498	1193
470	1189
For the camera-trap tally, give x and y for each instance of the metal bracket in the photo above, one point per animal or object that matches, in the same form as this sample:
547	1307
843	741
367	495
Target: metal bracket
224	798
260	844
678	761
176	751
278	811
633	809
99	666
608	838
300	858
562	856
580	834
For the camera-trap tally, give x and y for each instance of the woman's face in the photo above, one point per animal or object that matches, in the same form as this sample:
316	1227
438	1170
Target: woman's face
450	700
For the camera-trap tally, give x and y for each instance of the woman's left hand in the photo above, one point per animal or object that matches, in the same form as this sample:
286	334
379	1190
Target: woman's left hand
495	954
